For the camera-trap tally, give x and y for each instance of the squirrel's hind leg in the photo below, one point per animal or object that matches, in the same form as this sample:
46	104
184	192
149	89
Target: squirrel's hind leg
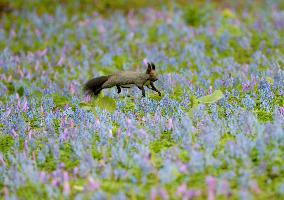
142	89
118	89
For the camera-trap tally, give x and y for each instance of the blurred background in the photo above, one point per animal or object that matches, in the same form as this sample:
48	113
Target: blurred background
108	6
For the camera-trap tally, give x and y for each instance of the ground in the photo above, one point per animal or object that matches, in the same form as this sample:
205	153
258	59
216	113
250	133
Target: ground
217	131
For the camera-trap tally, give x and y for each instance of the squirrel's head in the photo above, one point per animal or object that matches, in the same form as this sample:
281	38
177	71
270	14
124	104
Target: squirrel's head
152	72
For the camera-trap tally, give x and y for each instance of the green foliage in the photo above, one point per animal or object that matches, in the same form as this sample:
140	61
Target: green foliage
195	15
184	156
165	142
56	125
214	97
263	116
106	103
6	143
119	61
68	156
177	93
211	45
193	105
11	88
21	91
32	192
59	101
129	106
155	96
95	152
49	165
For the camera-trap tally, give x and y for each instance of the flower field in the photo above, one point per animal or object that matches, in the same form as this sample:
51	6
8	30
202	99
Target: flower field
217	131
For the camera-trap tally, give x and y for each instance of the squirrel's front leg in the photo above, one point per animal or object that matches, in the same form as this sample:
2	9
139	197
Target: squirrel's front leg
141	87
154	88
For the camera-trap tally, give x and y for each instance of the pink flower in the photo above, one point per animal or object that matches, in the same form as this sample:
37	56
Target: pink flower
43	177
210	90
65	134
9	78
34	155
164	193
13	33
154	194
37	65
30	134
183	168
211	185
2	161
281	110
55	182
181	190
38	32
66	185
61	61
170	124
42	53
72	123
15	134
254	187
159	191
145	61
93	185
6	192
41	109
72	88
25	106
75	171
88	98
246	87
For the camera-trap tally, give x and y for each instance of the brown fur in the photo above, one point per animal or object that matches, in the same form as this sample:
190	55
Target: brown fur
123	79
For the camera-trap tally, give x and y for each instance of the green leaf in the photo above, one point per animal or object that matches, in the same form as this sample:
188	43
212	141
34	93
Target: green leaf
215	96
21	91
60	101
106	103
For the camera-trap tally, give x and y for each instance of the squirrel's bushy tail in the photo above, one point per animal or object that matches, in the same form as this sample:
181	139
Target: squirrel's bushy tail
94	86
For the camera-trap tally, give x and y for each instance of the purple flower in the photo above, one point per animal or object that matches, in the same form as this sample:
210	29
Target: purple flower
43	177
155	192
42	53
281	110
61	61
225	188
2	161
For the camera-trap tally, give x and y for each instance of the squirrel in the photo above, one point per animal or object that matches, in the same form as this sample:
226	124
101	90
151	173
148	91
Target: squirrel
125	79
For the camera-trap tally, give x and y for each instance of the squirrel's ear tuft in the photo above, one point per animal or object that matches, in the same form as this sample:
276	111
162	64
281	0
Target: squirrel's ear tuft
153	66
148	69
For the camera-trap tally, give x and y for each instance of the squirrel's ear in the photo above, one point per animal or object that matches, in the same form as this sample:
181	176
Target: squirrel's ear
153	66
148	69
